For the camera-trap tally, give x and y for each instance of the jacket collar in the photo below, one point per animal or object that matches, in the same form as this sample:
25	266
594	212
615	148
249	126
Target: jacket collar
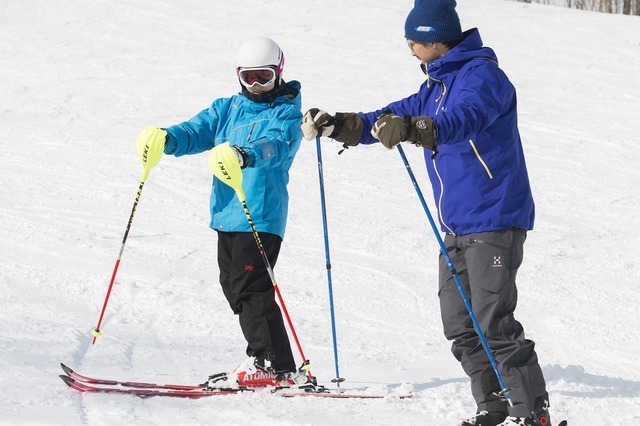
290	95
469	48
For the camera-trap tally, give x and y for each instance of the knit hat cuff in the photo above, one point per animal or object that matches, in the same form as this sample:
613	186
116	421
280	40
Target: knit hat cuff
433	21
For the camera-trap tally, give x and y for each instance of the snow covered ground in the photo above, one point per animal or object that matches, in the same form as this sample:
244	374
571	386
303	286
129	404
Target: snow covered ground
80	79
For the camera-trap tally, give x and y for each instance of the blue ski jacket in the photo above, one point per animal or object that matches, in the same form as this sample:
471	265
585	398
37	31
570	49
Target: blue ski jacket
270	135
477	170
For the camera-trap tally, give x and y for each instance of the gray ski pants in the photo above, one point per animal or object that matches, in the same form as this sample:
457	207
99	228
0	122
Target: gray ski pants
487	264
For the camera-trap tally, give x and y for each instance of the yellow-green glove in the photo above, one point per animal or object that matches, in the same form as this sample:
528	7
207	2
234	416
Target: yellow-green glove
223	162
150	147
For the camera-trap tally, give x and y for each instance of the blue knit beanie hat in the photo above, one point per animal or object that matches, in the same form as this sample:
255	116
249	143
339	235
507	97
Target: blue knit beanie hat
433	21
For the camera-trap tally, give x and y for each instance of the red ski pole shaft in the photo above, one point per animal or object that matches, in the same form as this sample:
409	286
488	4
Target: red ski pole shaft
286	314
96	332
256	236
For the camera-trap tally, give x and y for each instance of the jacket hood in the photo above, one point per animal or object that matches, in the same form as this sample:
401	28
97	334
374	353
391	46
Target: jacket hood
469	48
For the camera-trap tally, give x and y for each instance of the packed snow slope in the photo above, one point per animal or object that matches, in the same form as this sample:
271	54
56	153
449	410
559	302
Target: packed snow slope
80	79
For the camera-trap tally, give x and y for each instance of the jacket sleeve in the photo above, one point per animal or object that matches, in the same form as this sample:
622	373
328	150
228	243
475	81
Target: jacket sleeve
193	136
281	138
407	106
483	92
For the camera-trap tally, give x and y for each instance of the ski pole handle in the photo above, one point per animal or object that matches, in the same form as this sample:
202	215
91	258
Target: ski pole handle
223	163
150	147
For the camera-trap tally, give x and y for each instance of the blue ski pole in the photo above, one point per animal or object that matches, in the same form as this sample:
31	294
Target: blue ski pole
504	392
338	379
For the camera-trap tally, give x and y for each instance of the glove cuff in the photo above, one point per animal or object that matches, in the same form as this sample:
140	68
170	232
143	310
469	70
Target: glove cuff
421	131
347	128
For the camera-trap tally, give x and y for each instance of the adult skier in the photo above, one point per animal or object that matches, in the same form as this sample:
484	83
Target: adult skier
464	117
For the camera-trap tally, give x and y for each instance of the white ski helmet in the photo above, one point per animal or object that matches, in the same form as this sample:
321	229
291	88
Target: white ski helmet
260	52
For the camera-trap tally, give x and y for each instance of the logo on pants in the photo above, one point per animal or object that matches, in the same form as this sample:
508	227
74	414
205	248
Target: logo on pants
497	261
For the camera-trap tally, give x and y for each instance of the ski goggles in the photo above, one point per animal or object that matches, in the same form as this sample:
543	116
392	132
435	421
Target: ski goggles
262	76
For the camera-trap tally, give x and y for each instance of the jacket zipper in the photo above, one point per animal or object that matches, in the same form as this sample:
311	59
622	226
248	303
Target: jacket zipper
486	168
440	216
439	100
253	125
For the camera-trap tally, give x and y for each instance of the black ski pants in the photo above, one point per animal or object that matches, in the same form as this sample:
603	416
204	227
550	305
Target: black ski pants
248	288
487	264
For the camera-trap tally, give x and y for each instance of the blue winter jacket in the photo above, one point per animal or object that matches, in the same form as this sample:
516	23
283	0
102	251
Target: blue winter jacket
270	134
477	170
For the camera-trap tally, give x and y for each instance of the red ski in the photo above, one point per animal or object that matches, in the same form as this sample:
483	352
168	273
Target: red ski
149	392
95	381
88	384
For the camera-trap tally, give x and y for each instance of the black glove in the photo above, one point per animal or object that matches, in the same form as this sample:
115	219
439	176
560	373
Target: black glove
391	129
345	127
243	158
